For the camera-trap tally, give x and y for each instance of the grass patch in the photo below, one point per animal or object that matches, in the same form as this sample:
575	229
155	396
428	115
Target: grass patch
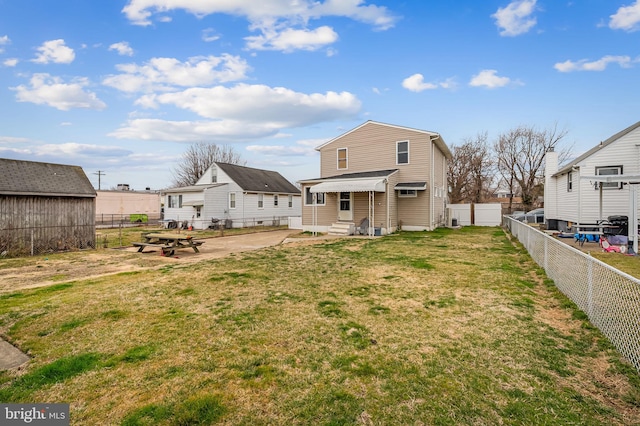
444	327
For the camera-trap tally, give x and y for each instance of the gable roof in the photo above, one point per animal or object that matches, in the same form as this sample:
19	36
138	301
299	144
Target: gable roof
258	180
357	175
435	137
19	177
566	168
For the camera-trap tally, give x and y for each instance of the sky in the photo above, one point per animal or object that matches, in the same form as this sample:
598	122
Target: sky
123	87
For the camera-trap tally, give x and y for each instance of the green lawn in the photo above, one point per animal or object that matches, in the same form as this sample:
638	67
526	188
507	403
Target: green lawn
445	327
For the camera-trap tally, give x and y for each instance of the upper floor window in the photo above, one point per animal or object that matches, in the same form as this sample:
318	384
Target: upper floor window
310	197
608	171
175	201
214	174
290	201
260	201
402	152
569	181
275	201
342	158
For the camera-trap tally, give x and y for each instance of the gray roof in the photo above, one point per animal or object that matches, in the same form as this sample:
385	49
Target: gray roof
19	177
358	175
412	185
258	180
567	167
192	188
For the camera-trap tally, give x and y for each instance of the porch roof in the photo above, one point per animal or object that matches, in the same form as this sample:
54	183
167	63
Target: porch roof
420	186
350	185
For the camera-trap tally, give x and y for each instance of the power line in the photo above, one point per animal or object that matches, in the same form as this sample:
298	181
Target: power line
100	173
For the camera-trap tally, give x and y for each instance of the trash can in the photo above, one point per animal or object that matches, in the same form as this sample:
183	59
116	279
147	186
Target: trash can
622	222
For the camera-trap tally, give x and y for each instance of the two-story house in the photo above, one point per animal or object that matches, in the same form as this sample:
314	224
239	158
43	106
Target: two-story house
233	196
377	178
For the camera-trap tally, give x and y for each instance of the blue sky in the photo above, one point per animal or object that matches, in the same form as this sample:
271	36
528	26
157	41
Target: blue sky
125	86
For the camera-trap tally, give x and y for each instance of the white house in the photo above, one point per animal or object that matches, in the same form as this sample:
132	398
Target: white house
598	184
233	196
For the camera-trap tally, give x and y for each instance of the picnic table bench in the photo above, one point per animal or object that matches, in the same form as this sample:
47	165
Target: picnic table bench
597	230
168	243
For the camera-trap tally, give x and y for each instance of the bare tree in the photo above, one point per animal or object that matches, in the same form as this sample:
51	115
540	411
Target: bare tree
198	158
470	170
520	158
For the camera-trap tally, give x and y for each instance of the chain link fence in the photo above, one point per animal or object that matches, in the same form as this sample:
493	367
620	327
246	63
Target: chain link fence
112	220
609	297
32	241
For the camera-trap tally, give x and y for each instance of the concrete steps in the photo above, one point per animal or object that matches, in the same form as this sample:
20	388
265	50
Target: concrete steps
342	228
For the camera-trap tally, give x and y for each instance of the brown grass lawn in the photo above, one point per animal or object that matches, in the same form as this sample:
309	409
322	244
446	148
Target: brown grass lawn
444	327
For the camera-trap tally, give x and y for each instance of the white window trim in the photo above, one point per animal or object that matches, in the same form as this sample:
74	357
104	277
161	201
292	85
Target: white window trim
275	200
235	201
346	158
610	185
316	195
570	182
290	201
408	152
411	193
260	201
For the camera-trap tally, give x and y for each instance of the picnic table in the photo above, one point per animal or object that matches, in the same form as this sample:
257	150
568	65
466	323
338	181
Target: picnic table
168	243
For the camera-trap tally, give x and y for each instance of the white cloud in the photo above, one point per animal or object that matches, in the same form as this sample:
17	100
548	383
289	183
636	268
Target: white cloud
122	48
599	65
54	51
489	79
209	35
282	23
240	113
12	140
4	40
11	62
516	19
282	150
52	91
626	18
167	73
289	39
416	83
82	150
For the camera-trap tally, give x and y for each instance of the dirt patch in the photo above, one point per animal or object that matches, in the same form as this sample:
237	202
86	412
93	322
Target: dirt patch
42	271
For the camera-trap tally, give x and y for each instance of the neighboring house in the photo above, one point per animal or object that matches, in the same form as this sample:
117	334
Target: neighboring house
237	196
45	207
377	178
576	193
126	205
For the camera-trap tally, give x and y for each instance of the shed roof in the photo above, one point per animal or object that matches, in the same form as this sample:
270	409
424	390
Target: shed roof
18	177
258	180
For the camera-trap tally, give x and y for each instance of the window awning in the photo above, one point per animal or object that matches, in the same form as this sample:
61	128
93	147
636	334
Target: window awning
418	186
195	203
350	185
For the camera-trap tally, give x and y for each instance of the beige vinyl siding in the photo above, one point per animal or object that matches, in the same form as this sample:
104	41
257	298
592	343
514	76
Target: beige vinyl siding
373	147
326	214
414	211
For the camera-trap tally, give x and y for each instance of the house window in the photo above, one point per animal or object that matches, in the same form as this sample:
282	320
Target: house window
402	151
569	181
275	201
309	197
260	201
198	211
290	201
609	171
214	174
175	201
232	200
342	158
408	193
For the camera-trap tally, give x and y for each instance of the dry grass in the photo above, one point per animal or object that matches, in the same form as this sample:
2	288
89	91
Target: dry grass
413	328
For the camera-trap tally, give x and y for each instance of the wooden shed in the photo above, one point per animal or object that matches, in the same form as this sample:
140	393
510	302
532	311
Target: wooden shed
45	208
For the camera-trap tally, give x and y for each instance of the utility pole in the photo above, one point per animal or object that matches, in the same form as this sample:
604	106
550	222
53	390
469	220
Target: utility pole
100	173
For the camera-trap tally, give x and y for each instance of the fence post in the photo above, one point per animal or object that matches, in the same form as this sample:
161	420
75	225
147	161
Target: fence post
546	242
590	288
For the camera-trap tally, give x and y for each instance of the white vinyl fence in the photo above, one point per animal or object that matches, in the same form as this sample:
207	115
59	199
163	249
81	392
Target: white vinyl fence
610	298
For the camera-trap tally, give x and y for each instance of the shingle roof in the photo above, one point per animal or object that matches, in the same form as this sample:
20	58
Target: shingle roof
567	167
33	178
258	180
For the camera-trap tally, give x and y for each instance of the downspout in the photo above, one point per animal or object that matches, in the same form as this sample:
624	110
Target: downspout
431	186
386	188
